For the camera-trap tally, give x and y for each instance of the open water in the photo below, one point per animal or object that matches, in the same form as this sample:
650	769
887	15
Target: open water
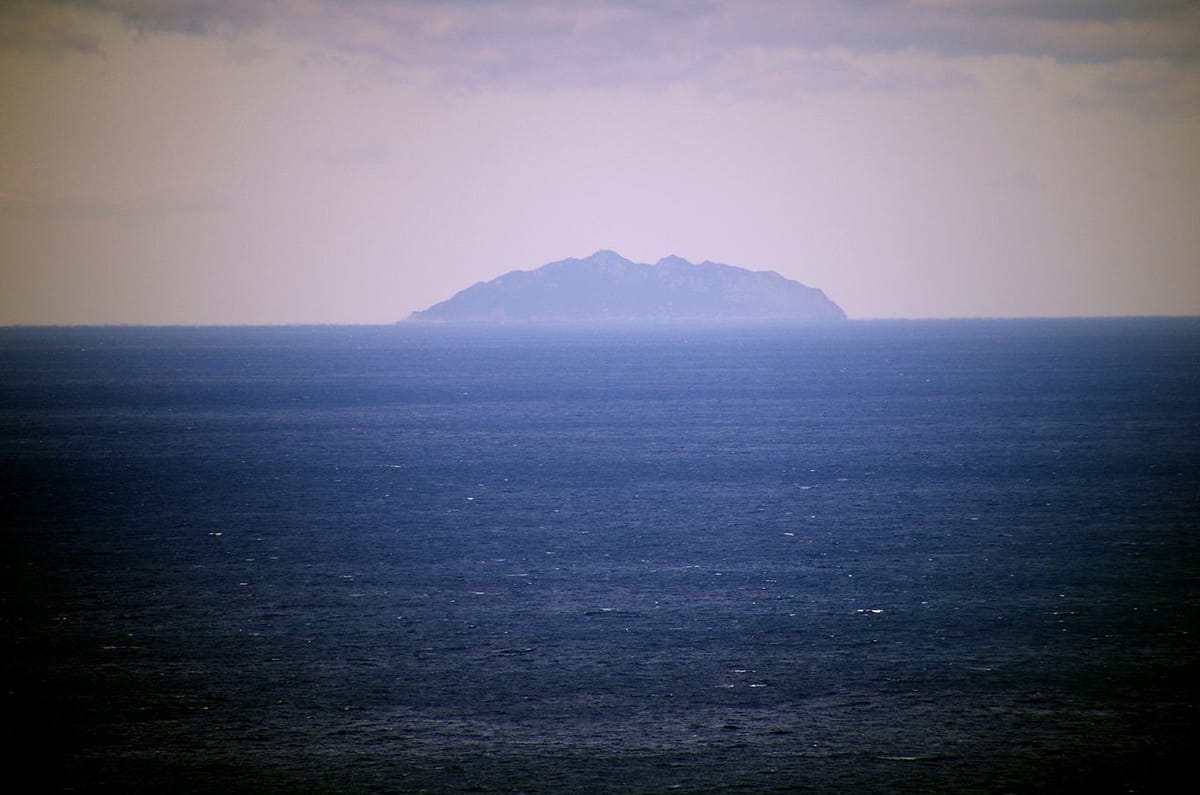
874	557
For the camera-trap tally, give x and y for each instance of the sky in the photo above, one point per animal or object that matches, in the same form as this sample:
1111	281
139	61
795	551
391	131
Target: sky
351	161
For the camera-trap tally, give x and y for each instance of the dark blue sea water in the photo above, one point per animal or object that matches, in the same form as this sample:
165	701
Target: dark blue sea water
935	557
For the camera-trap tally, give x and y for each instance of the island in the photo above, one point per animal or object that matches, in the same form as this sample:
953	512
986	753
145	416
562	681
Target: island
606	287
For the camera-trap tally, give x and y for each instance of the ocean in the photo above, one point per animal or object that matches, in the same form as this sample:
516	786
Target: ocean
876	556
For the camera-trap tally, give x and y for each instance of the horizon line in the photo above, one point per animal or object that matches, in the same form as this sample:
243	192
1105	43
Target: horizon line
628	323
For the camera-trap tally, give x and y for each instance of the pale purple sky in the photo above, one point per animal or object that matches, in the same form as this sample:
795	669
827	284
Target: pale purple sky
350	161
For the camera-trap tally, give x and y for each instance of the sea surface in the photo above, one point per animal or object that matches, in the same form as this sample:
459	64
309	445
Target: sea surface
927	557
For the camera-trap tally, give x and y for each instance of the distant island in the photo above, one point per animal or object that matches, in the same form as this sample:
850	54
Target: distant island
606	287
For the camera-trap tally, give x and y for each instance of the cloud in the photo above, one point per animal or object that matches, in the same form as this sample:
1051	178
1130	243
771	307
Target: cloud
1087	30
759	73
546	44
45	28
190	17
1151	90
1069	10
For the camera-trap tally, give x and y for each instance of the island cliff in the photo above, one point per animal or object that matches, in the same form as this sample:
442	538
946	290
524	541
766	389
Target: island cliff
606	287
